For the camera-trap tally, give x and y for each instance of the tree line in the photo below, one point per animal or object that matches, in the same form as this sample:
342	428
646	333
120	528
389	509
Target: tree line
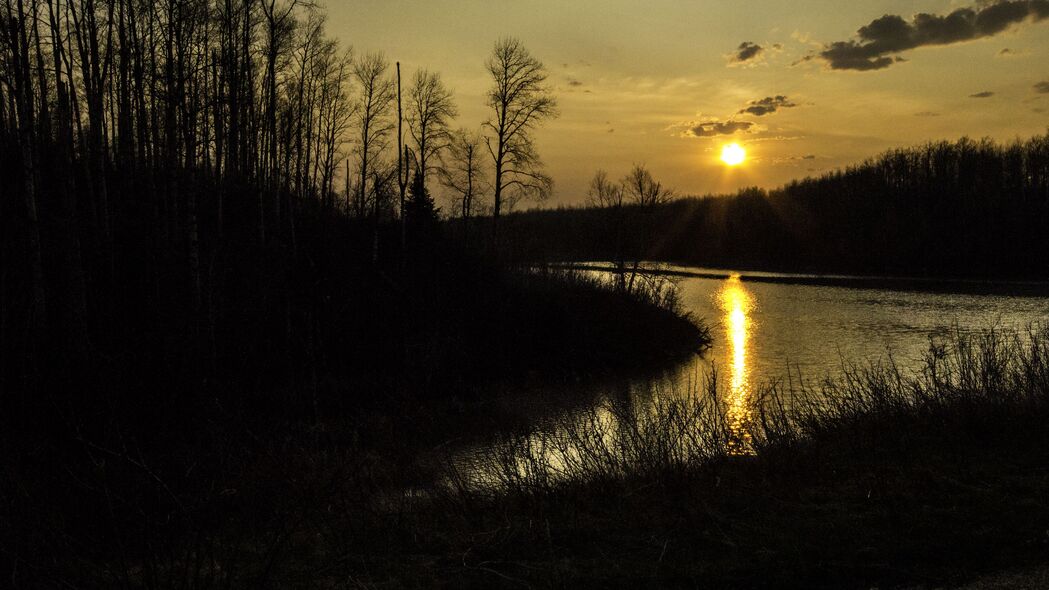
966	208
168	163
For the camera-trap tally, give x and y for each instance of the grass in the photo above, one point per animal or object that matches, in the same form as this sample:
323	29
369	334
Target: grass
881	478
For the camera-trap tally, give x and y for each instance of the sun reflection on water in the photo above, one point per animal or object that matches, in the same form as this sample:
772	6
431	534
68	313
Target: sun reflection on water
737	303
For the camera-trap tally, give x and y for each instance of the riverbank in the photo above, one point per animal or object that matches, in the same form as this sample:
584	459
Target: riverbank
130	472
891	480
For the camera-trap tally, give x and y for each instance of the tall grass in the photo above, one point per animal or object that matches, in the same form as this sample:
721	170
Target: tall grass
653	289
969	385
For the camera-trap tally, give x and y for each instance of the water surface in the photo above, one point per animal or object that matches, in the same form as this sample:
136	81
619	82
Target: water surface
797	334
769	331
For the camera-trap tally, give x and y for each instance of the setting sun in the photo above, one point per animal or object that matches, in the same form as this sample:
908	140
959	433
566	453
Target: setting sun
733	154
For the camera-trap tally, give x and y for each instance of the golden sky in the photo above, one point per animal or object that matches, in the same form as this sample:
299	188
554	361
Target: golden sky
637	81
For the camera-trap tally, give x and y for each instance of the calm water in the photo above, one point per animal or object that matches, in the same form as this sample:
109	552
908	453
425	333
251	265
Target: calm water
762	330
801	334
767	332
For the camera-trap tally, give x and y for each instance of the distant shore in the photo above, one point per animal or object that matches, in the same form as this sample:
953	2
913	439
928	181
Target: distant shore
898	283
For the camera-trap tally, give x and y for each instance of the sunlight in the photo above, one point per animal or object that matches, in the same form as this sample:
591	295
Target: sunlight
737	303
733	154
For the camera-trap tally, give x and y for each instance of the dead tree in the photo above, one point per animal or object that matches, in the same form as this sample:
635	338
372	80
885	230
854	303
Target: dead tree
519	100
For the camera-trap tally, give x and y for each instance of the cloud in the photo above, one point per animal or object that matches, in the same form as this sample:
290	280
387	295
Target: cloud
1042	87
878	42
775	138
767	106
926	114
793	160
574	82
715	128
984	94
746	52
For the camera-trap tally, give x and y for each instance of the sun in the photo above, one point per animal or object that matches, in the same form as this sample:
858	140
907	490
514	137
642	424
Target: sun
733	154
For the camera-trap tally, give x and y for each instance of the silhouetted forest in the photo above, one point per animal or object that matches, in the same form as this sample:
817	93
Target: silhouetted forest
216	190
963	209
217	222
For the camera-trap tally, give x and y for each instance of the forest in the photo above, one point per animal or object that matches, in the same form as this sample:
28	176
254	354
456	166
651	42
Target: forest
217	221
221	190
961	209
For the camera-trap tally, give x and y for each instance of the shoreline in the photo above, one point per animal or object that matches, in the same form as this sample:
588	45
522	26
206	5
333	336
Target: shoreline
875	282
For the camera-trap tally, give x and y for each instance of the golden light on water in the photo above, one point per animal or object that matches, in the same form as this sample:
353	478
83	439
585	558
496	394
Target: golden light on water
733	154
737	303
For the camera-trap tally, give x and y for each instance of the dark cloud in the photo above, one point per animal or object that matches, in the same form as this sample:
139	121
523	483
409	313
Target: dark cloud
767	105
1042	87
984	94
878	41
747	51
715	128
1008	53
794	159
574	82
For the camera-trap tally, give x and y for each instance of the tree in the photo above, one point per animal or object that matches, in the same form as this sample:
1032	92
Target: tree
520	101
419	211
604	193
646	194
609	196
461	172
335	112
643	190
430	111
374	124
279	30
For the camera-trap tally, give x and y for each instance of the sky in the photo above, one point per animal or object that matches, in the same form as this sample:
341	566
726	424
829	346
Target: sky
806	86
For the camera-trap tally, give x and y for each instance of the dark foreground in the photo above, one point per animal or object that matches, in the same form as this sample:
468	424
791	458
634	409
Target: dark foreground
927	481
131	471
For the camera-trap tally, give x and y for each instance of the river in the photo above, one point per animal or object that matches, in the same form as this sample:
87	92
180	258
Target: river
796	331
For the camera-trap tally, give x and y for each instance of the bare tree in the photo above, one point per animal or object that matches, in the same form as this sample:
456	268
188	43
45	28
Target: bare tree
646	194
280	26
604	193
610	196
335	113
431	108
643	190
519	100
402	162
461	172
374	124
